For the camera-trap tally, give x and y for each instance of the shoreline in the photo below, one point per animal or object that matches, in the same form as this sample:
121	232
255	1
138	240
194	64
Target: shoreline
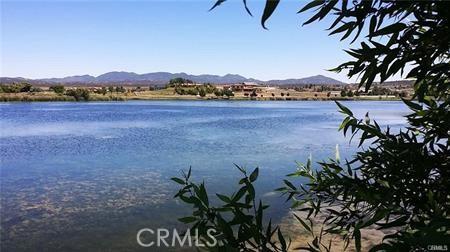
31	98
29	93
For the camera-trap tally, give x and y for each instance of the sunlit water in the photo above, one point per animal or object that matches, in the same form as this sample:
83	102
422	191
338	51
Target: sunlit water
87	176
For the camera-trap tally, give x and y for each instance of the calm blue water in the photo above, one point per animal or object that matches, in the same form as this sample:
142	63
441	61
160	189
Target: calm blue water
87	176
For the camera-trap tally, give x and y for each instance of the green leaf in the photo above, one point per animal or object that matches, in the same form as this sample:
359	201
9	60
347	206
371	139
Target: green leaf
189	200
225	227
189	172
246	8
240	169
315	242
254	175
202	194
288	183
218	2
269	230
282	240
224	198
393	28
344	123
270	7
349	169
383	183
322	12
179	181
251	191
240	193
311	5
344	109
412	105
357	235
398	222
259	215
379	214
188	219
344	27
303	223
373	24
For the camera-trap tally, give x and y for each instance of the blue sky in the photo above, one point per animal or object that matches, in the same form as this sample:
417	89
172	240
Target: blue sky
60	38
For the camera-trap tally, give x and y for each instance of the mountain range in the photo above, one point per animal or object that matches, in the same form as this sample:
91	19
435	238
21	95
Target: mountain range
159	78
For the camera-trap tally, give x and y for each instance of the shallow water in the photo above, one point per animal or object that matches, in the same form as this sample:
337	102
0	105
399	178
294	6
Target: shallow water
87	176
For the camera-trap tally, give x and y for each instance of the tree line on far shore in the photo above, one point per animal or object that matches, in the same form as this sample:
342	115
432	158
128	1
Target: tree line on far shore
62	93
202	90
180	86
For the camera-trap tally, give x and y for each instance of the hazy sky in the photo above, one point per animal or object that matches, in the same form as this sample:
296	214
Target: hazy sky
60	38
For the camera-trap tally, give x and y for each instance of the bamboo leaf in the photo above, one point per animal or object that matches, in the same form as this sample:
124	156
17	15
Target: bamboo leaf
282	240
254	175
218	2
357	235
178	180
223	198
246	8
393	28
344	109
303	223
188	219
311	5
270	7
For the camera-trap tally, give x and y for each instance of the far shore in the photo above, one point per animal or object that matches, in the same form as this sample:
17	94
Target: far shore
48	99
25	92
149	96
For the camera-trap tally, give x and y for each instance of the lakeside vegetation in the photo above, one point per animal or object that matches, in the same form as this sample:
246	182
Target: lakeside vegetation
185	89
396	181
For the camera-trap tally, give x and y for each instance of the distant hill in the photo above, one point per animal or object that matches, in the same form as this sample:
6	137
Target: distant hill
409	83
77	78
317	79
160	78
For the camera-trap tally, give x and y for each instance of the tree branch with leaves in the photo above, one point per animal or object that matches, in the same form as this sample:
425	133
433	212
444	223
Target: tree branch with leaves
397	180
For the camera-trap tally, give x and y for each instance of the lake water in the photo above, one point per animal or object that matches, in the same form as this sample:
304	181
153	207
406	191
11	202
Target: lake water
87	176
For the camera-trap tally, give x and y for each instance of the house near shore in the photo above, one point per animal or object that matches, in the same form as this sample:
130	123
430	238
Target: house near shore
190	84
335	93
243	87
